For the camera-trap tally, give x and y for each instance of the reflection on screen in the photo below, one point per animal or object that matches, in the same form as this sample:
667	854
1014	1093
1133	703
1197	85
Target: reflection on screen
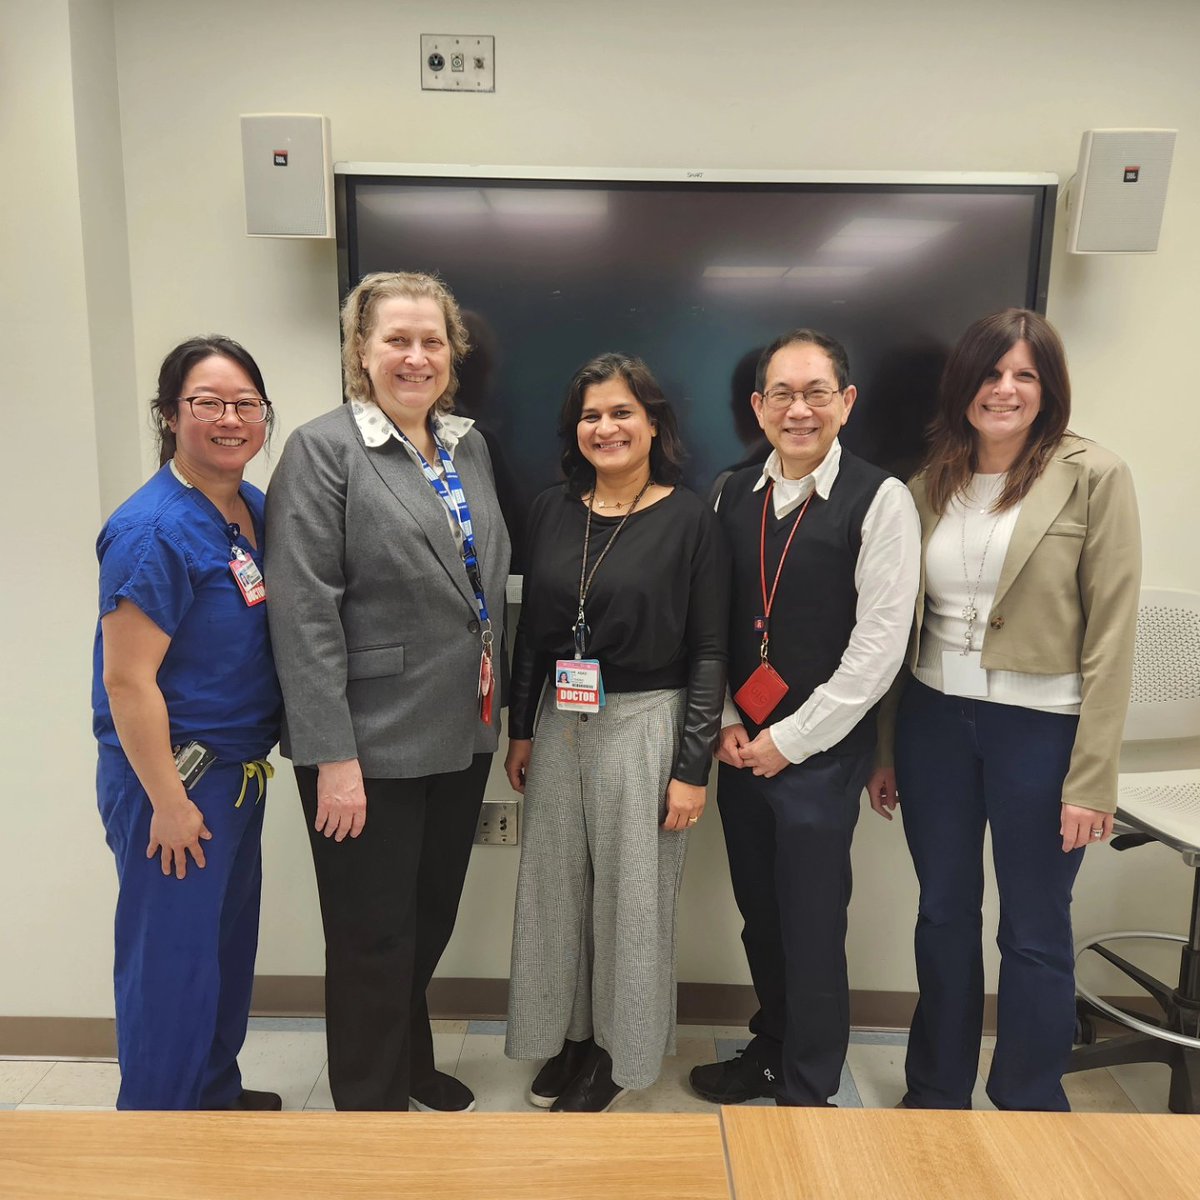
696	279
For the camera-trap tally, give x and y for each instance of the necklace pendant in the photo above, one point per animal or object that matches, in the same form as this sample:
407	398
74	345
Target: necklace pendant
970	613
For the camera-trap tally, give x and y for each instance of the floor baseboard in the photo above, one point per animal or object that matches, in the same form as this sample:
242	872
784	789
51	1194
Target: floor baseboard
451	999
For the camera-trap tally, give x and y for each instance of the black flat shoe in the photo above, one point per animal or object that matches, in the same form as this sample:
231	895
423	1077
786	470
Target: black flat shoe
558	1072
441	1093
593	1089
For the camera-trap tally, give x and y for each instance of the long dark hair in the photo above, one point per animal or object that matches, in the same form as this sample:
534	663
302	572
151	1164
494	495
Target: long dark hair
953	454
666	450
173	373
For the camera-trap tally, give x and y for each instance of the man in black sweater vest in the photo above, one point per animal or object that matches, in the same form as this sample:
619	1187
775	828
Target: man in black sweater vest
825	569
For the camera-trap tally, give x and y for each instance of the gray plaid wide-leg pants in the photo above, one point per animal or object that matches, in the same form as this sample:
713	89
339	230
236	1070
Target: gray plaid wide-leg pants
594	933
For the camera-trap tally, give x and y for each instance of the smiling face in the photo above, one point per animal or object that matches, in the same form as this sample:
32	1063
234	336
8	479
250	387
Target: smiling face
614	430
802	434
222	447
1007	403
407	357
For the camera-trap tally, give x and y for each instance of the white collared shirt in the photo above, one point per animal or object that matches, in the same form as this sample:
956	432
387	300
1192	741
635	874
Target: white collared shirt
376	430
887	575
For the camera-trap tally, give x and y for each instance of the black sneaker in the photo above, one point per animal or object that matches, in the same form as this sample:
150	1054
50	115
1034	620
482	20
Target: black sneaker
441	1093
735	1080
593	1089
552	1080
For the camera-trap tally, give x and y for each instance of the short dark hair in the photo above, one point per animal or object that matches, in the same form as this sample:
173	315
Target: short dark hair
164	406
952	457
666	450
806	337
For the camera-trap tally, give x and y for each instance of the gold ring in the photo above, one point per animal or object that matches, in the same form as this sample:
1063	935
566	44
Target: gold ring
693	820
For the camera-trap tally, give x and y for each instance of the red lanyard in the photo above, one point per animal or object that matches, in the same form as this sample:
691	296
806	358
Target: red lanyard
763	623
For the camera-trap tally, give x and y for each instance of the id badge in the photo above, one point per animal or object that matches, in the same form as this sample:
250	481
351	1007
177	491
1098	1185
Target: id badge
578	686
963	674
761	693
249	579
487	687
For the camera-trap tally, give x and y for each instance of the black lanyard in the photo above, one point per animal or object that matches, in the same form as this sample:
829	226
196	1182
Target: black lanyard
580	629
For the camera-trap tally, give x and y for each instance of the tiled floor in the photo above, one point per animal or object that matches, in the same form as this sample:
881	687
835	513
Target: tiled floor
288	1056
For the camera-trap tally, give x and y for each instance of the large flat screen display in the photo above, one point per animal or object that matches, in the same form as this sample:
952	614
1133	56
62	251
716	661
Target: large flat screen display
696	275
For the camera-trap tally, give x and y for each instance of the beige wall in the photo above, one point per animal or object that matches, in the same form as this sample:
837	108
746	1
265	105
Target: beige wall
770	85
56	878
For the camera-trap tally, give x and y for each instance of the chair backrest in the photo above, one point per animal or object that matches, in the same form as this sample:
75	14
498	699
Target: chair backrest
1164	700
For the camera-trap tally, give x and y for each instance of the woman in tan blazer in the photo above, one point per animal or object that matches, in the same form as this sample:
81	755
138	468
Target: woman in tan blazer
1010	712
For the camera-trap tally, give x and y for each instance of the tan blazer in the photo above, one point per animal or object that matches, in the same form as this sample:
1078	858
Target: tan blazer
1066	601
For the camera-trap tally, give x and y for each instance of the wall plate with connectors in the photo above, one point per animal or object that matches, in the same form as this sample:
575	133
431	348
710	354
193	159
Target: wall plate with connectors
499	823
458	62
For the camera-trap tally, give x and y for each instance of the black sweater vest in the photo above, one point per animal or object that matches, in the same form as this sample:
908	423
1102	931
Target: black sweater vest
814	611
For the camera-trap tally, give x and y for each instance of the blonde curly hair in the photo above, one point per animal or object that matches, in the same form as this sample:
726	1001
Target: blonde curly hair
358	323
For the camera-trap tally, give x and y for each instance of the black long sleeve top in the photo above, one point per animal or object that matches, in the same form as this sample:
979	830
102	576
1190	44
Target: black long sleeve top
658	608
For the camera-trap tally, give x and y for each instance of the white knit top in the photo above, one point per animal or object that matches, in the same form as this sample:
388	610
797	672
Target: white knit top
963	559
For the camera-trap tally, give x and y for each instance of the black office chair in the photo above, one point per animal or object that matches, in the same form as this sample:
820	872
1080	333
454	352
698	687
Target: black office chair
1160	806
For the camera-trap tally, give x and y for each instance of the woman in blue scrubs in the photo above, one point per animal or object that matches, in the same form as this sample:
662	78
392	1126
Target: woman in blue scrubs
183	671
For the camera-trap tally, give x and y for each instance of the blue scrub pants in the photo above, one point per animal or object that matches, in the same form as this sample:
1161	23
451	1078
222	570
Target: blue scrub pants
961	765
185	948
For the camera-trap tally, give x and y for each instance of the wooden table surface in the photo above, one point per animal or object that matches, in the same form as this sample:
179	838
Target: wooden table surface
773	1154
887	1154
306	1156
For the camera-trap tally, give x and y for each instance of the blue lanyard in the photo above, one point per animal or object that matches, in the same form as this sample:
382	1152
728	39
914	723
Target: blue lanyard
231	528
450	492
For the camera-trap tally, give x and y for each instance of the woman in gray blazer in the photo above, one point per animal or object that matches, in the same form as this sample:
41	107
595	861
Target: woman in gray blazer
387	549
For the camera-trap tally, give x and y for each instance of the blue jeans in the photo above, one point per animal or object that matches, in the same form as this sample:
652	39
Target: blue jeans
961	765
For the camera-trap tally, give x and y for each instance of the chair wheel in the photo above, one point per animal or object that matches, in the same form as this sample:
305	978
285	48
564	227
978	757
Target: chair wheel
1085	1030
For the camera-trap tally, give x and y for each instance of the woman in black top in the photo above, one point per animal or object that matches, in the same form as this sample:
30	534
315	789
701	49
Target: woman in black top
622	639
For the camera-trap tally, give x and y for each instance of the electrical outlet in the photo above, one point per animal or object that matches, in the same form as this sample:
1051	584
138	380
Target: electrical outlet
499	823
458	62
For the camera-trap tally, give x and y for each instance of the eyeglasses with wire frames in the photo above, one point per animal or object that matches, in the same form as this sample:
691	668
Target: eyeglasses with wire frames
211	409
780	398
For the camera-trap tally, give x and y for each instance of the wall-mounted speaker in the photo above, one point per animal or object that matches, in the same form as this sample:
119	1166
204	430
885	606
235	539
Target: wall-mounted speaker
1115	201
288	171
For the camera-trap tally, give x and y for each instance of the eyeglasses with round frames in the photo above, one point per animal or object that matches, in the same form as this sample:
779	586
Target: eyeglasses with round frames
815	397
211	409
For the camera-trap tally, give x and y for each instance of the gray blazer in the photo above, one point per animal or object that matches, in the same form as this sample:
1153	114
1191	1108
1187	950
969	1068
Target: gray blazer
373	622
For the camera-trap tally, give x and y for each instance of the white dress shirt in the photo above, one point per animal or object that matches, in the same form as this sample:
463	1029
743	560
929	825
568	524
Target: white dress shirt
886	576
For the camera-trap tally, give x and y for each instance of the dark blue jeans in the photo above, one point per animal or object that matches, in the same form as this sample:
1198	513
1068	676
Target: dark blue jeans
961	765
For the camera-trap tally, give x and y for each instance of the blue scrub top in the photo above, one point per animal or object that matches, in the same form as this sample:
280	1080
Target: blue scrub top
167	550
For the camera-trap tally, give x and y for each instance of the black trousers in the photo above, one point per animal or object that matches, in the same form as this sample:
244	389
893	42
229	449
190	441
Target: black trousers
389	899
788	840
